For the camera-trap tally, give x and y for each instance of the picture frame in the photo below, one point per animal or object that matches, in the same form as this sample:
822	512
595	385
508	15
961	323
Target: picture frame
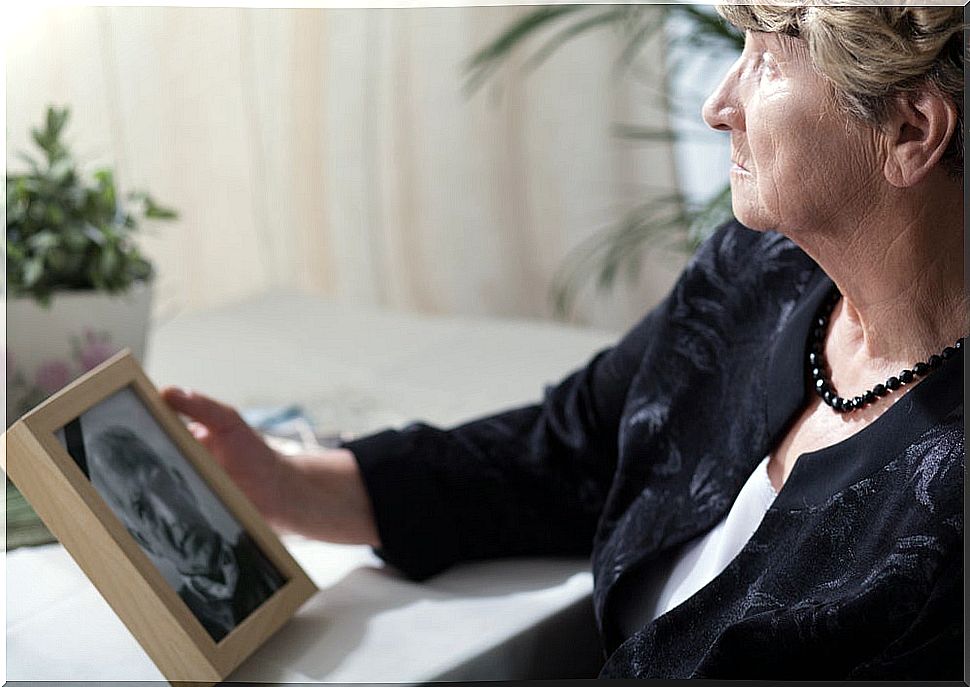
179	553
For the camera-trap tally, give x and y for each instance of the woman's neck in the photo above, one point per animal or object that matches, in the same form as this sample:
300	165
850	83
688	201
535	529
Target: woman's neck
901	273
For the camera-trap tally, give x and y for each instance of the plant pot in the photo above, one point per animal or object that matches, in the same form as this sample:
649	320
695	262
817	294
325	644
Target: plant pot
48	347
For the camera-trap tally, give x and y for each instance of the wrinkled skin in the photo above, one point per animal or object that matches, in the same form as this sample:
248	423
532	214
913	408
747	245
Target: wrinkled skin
799	163
870	204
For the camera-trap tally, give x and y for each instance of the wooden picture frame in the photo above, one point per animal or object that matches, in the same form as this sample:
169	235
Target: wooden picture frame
122	546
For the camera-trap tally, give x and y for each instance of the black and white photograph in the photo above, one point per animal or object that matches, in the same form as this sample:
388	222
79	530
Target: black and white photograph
190	536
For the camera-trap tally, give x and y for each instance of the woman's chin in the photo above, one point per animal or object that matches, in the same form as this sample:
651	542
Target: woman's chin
749	216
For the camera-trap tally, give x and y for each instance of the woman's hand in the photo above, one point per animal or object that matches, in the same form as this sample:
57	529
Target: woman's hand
319	495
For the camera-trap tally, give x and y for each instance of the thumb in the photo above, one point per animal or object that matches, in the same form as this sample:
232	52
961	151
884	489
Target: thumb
216	416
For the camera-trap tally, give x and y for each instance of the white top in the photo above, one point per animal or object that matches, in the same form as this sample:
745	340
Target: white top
674	579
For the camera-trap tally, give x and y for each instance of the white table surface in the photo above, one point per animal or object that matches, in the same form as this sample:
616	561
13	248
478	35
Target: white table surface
354	371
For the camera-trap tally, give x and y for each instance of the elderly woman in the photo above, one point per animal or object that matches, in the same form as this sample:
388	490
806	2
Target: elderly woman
768	469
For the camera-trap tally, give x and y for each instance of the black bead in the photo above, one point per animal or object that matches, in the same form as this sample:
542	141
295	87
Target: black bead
816	347
893	383
848	405
959	344
948	352
879	390
869	397
858	401
906	376
815	359
935	361
822	322
921	368
819	333
817	373
828	397
821	385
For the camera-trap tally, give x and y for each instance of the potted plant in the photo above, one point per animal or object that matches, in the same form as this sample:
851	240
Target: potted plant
78	288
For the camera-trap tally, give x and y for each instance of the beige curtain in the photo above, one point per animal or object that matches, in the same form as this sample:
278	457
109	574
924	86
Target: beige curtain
334	152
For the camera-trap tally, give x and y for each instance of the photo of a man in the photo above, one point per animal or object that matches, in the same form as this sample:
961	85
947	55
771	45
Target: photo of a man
212	563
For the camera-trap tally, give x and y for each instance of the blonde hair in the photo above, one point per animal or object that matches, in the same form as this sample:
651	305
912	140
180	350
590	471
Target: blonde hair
870	54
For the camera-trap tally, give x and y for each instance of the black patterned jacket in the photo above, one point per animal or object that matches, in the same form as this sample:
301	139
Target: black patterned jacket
856	570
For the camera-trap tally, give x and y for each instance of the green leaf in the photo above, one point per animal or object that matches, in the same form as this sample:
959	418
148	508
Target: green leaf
31	162
156	211
93	234
519	31
15	252
710	25
43	241
54	216
483	61
640	35
109	262
33	271
67	229
611	16
57	260
56	119
41	139
62	171
139	269
104	177
644	133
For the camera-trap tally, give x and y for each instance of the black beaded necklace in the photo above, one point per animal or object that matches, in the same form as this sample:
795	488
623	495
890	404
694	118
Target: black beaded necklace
817	368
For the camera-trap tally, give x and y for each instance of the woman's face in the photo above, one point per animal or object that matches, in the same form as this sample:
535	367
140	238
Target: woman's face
798	163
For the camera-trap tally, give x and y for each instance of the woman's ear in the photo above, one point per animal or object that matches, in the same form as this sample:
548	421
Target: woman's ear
919	130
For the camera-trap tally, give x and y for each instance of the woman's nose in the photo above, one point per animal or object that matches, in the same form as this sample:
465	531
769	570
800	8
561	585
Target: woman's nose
722	109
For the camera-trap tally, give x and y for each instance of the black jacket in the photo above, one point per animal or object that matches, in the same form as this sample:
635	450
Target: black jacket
856	570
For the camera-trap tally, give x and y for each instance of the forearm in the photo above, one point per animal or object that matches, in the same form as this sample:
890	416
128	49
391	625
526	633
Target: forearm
496	487
325	498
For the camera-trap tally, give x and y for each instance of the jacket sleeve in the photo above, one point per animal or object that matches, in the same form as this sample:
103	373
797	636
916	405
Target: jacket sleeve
528	481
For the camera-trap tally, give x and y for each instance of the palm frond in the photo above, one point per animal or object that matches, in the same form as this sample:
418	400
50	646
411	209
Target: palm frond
710	26
484	61
642	31
668	221
603	255
599	19
644	133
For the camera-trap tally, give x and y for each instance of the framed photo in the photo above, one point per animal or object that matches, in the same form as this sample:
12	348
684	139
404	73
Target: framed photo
175	548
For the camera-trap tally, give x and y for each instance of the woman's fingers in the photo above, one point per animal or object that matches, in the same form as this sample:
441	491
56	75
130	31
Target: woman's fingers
215	416
199	431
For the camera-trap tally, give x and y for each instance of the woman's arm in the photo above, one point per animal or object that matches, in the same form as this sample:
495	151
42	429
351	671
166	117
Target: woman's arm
530	480
527	481
318	495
